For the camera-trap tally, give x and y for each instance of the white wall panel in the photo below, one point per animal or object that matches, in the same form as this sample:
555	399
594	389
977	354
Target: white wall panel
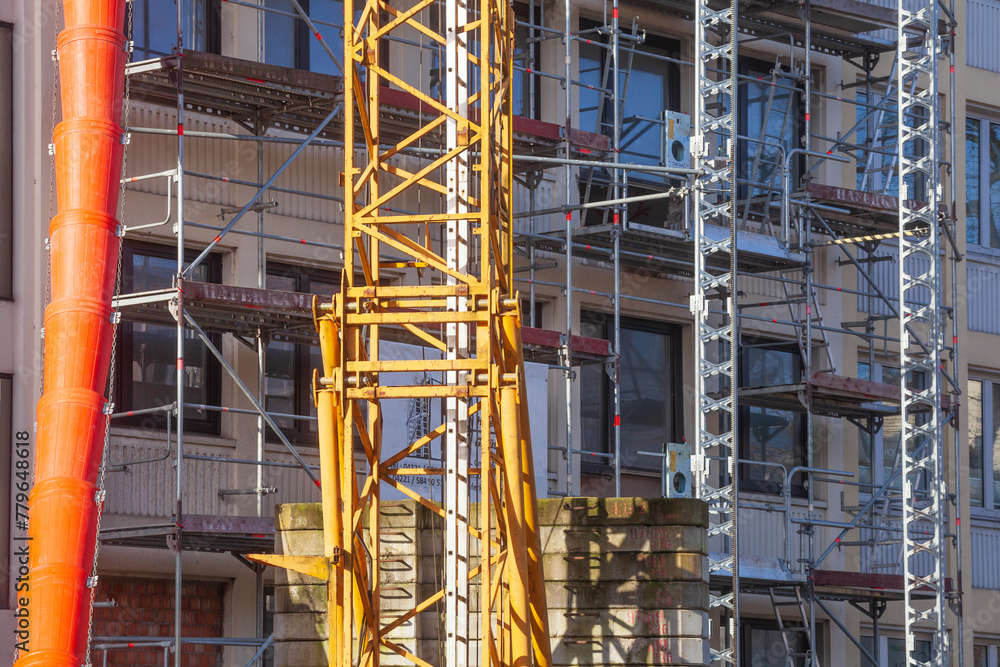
982	305
982	25
985	559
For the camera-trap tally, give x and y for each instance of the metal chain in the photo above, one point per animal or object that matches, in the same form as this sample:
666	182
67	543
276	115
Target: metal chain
52	189
115	316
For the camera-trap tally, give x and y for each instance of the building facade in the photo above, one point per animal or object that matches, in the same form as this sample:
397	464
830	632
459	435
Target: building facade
817	286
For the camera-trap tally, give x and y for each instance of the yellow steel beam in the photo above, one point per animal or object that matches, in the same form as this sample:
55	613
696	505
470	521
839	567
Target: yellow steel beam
468	312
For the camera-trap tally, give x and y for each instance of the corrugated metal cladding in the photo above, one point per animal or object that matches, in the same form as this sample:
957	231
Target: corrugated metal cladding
982	305
147	489
888	558
889	34
985	564
982	25
762	535
885	274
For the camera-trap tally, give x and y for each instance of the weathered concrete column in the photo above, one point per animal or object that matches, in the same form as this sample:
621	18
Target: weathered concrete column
625	581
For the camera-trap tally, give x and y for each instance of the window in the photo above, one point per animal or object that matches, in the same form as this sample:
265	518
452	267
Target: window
650	395
650	87
6	163
982	183
288	42
154	27
892	651
884	446
763	645
767	435
984	444
289	366
771	119
146	366
878	171
525	56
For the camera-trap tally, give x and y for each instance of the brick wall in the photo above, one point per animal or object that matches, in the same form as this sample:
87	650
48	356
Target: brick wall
146	609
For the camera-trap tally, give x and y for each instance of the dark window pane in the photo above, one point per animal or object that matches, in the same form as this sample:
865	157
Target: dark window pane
773	133
994	185
289	366
279	382
149	351
154	27
892	426
280	34
973	175
769	436
996	445
522	81
593	397
864	438
868	643
766	648
326	11
645	398
976	443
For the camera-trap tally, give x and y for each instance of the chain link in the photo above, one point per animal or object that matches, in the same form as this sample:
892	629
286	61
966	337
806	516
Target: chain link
115	319
52	189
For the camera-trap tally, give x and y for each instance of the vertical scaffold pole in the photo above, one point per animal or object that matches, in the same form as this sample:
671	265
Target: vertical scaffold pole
924	491
714	202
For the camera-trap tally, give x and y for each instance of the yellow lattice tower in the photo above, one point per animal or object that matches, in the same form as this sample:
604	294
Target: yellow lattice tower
469	312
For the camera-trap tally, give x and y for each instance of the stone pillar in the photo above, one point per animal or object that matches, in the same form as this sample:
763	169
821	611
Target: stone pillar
625	579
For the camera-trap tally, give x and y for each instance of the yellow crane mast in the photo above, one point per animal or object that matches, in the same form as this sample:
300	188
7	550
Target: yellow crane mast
467	315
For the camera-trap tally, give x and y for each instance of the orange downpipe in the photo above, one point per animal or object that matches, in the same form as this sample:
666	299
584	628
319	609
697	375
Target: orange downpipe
78	330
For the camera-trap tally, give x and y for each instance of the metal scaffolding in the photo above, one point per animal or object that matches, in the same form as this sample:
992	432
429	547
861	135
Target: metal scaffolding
748	207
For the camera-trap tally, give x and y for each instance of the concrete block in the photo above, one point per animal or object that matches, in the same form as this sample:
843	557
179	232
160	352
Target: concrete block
298	516
594	540
627	595
301	626
299	542
625	566
593	624
301	654
283	577
631	651
622	511
300	598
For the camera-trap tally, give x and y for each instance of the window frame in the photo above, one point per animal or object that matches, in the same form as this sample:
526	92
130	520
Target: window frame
304	42
985	222
521	13
883	645
746	65
300	433
878	439
798	489
599	465
211	424
990	507
747	625
638	182
213	30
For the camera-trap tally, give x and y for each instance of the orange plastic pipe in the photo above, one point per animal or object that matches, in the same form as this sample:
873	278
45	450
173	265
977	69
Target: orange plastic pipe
84	256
